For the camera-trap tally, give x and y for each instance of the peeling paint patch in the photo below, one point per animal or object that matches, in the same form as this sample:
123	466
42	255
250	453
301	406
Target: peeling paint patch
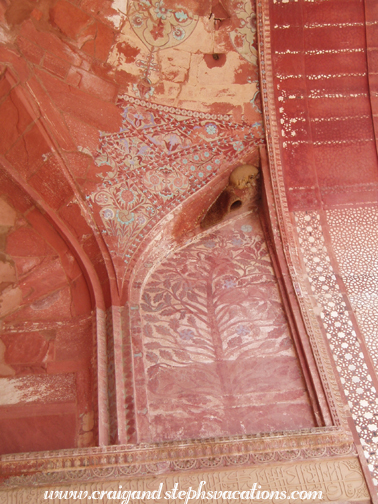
45	389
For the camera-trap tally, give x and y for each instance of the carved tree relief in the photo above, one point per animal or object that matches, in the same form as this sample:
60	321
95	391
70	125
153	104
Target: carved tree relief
218	354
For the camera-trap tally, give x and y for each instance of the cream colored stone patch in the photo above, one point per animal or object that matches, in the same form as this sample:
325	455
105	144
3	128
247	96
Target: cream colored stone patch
9	393
174	64
10	300
7	214
5	370
234	94
7	272
202	38
120	6
87	421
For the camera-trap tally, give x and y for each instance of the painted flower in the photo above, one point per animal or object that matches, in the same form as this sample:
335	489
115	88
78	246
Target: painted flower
242	330
209	244
154	180
161	12
108	213
165	181
238	146
125	217
229	284
181	16
237	241
211	128
172	141
138	118
248	22
178	182
141	219
246	228
137	21
178	33
186	334
126	196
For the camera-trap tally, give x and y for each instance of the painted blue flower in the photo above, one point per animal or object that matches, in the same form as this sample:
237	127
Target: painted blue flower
108	213
246	228
229	284
186	334
237	241
211	128
242	330
210	244
181	16
238	146
161	12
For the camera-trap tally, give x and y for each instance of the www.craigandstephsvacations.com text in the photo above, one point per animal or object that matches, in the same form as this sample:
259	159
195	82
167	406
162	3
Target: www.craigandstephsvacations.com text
127	496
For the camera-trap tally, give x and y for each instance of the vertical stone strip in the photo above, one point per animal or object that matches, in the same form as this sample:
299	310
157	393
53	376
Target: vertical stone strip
346	349
102	379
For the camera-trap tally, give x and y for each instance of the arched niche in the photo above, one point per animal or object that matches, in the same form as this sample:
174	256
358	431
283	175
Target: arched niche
48	373
213	352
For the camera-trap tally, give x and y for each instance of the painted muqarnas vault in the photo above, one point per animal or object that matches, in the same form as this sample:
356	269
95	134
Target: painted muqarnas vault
189	246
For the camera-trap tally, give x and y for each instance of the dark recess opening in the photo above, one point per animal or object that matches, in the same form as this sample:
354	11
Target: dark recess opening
236	204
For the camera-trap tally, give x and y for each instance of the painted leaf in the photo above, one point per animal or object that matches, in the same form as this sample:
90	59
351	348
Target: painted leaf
174	324
162	330
192	297
147	298
151	318
165	354
147	329
153	345
168	312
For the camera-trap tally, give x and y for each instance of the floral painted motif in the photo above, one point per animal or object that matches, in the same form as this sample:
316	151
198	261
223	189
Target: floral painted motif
125	210
159	157
167	182
213	324
244	36
158	26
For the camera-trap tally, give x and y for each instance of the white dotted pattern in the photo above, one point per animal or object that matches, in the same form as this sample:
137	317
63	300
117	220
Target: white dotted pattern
355	243
350	361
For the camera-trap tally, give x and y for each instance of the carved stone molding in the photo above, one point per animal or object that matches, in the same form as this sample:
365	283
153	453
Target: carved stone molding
87	464
339	480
